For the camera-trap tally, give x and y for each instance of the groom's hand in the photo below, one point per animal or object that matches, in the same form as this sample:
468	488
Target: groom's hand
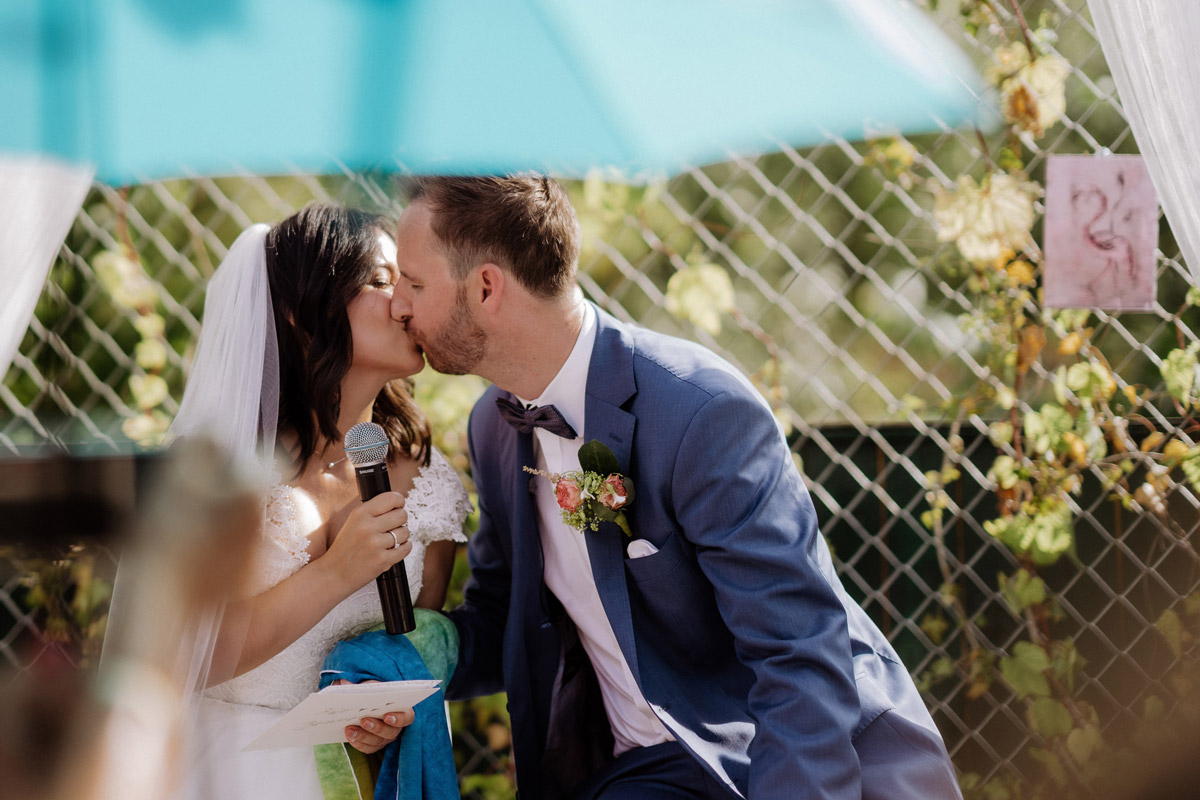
372	735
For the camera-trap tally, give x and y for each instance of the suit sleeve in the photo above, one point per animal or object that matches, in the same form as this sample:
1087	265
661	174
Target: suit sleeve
481	617
740	500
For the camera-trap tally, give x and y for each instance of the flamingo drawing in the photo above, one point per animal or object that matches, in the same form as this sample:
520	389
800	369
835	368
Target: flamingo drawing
1116	250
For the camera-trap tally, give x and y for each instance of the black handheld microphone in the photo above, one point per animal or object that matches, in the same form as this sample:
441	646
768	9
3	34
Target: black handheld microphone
367	446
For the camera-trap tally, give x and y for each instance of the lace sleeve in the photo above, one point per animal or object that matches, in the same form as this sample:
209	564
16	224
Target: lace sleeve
283	547
437	503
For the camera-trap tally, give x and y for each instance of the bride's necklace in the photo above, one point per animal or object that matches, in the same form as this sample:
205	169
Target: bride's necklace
331	464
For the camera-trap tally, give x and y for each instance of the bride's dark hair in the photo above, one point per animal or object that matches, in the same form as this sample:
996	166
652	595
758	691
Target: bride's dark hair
318	260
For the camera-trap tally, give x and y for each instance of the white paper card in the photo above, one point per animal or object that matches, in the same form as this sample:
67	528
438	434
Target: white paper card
322	717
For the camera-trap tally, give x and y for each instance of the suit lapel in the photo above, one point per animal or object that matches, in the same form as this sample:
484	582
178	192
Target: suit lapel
610	385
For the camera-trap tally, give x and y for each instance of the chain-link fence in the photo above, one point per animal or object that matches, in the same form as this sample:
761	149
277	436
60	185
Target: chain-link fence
842	313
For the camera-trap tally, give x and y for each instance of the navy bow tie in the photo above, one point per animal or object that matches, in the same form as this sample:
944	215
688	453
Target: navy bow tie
526	419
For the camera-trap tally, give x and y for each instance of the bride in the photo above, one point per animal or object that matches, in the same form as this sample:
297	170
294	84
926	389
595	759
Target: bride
297	346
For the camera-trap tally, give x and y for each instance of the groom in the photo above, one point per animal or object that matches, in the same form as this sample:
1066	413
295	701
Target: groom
715	654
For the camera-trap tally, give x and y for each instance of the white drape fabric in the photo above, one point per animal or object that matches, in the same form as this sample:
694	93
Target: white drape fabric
39	199
1153	50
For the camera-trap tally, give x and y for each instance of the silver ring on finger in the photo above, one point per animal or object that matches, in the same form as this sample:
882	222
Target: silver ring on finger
395	541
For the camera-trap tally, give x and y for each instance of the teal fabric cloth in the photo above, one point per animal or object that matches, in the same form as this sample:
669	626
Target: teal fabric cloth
420	764
436	640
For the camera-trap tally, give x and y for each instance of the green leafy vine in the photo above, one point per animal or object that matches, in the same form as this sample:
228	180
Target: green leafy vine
1054	427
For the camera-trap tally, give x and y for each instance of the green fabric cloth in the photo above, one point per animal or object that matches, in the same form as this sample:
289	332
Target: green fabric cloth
347	774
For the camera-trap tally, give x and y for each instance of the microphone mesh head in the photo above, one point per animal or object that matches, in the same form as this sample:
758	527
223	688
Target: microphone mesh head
366	443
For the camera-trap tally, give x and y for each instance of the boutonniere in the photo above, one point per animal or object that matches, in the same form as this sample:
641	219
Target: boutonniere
595	493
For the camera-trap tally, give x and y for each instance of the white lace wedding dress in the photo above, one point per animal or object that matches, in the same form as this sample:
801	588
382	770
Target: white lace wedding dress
233	713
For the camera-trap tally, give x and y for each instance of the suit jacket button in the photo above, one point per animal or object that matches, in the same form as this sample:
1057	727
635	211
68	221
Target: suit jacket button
545	623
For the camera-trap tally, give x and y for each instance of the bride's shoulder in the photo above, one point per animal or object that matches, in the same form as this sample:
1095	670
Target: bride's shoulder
438	464
438	500
289	512
292	500
283	546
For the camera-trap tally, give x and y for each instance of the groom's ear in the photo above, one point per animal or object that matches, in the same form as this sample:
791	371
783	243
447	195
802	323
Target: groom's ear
491	286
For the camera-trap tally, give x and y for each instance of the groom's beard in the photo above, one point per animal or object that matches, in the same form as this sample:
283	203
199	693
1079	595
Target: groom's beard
461	343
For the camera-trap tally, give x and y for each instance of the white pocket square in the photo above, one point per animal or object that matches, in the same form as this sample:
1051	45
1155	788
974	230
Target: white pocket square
640	548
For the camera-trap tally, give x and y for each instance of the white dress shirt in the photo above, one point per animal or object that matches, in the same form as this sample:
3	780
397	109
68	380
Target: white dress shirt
568	570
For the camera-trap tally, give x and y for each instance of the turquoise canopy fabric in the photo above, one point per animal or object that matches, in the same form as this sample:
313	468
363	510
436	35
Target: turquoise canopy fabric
157	88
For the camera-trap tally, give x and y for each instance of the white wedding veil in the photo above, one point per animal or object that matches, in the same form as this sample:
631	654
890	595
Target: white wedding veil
231	400
232	393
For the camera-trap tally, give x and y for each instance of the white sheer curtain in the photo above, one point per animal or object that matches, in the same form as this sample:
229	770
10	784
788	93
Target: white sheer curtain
38	200
1153	49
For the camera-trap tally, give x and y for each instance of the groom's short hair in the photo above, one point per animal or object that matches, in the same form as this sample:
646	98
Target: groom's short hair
523	223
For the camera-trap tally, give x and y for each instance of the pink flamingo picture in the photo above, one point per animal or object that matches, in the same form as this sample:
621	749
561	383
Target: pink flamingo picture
1100	239
1100	233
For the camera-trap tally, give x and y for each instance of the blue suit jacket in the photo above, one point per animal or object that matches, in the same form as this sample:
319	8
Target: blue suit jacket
737	630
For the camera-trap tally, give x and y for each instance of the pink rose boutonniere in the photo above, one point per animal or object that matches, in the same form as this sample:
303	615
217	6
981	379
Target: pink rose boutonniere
595	493
568	494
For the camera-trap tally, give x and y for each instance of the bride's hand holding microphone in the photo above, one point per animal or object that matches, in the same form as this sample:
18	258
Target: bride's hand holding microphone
372	539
